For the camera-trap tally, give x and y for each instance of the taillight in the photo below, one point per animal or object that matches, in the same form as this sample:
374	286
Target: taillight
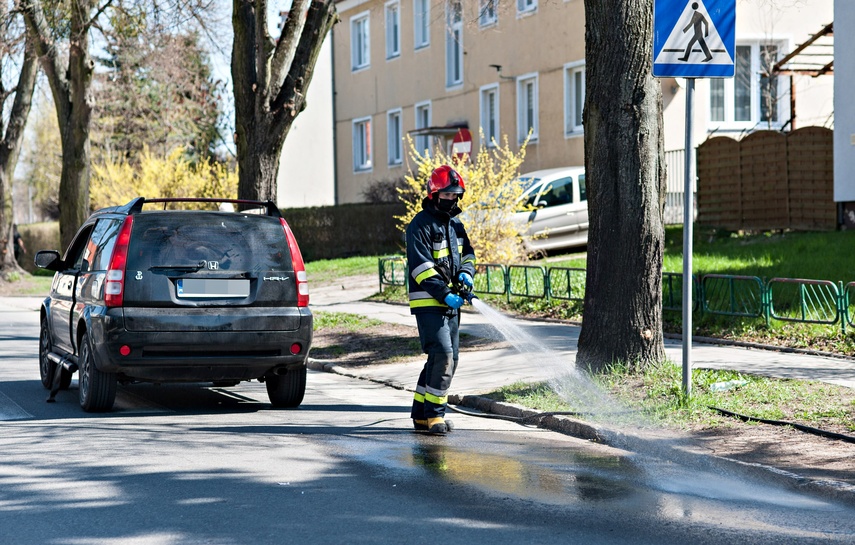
299	266
114	287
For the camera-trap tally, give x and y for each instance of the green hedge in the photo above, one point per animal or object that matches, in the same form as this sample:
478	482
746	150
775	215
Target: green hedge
38	236
324	232
331	232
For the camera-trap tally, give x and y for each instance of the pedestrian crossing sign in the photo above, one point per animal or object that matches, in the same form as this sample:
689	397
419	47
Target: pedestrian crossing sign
694	38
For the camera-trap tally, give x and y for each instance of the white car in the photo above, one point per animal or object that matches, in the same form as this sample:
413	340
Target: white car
560	215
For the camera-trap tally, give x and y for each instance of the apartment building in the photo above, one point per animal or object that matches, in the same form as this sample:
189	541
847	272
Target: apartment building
507	68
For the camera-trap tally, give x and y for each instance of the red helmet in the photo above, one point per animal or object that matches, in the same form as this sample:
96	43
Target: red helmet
445	179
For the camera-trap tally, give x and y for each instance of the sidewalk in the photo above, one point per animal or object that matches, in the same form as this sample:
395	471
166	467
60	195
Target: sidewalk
486	370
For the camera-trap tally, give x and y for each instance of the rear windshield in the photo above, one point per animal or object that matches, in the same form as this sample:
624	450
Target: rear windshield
223	241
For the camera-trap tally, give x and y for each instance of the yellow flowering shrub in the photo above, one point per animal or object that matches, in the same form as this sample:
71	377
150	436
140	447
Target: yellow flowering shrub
117	183
489	204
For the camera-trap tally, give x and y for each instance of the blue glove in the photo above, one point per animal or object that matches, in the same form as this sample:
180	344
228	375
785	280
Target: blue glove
466	278
454	300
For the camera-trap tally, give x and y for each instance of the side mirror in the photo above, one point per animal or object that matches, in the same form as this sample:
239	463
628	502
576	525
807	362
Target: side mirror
48	259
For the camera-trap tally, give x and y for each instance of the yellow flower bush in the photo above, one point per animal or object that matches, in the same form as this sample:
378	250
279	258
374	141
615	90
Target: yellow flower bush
116	183
491	199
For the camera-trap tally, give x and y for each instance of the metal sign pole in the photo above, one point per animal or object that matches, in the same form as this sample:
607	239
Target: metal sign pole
688	218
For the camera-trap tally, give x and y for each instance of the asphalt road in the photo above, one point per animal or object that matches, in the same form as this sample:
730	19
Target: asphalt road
195	464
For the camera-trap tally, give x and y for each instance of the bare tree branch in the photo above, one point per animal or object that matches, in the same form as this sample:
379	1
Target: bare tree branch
286	48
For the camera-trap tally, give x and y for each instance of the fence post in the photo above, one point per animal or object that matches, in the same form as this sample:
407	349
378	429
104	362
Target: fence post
507	274
842	306
766	301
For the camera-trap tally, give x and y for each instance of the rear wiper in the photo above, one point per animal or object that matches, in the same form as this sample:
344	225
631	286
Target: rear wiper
178	268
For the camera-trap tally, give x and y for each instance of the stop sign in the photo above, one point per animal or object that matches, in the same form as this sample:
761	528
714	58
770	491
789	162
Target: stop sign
461	144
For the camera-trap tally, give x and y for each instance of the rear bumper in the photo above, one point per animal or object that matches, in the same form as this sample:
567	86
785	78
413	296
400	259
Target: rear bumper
194	356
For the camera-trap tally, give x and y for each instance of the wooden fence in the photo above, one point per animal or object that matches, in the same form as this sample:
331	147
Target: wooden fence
768	180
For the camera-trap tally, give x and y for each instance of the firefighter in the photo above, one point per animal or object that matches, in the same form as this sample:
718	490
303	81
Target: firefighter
439	256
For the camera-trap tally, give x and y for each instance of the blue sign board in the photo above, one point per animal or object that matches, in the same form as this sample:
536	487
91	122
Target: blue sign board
694	38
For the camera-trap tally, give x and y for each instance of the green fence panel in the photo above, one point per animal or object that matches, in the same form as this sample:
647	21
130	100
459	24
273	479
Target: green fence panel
801	300
566	283
672	291
491	278
527	281
393	271
731	295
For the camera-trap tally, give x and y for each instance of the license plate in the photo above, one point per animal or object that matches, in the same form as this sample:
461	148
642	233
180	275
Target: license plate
212	287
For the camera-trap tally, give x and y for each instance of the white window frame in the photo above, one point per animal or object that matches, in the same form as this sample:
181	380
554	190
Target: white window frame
360	57
453	45
423	142
487	13
523	104
526	6
572	118
394	137
363	160
393	29
489	140
755	108
421	23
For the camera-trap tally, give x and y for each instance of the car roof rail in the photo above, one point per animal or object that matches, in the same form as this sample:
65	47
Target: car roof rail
135	206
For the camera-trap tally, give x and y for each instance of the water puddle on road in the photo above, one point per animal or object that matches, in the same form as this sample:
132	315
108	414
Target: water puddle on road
559	478
566	475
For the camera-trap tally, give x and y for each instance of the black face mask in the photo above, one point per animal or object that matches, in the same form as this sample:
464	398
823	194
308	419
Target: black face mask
445	205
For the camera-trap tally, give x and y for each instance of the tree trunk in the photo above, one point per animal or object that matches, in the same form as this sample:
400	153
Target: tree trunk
10	147
72	98
270	84
625	170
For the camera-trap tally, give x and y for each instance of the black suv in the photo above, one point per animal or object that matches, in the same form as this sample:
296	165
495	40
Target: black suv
177	295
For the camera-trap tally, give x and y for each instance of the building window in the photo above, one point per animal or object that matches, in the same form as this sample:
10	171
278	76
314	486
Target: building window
490	114
394	144
749	98
393	29
487	14
423	142
421	10
360	53
362	144
526	6
527	107
454	43
574	97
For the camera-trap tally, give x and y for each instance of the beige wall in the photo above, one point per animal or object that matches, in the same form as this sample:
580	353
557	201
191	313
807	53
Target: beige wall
542	43
306	174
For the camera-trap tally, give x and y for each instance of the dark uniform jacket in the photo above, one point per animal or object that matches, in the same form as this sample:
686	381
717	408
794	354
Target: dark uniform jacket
438	250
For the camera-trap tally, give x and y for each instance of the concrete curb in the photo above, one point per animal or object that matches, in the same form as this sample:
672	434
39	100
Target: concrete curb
836	490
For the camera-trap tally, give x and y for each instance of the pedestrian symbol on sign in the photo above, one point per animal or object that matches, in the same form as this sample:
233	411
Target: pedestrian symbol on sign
702	30
696	38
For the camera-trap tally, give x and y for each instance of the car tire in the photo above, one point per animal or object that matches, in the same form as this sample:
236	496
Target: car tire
47	368
287	391
97	389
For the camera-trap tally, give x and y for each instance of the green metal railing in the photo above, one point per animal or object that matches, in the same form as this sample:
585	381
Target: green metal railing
566	283
392	271
527	281
784	299
808	301
730	295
